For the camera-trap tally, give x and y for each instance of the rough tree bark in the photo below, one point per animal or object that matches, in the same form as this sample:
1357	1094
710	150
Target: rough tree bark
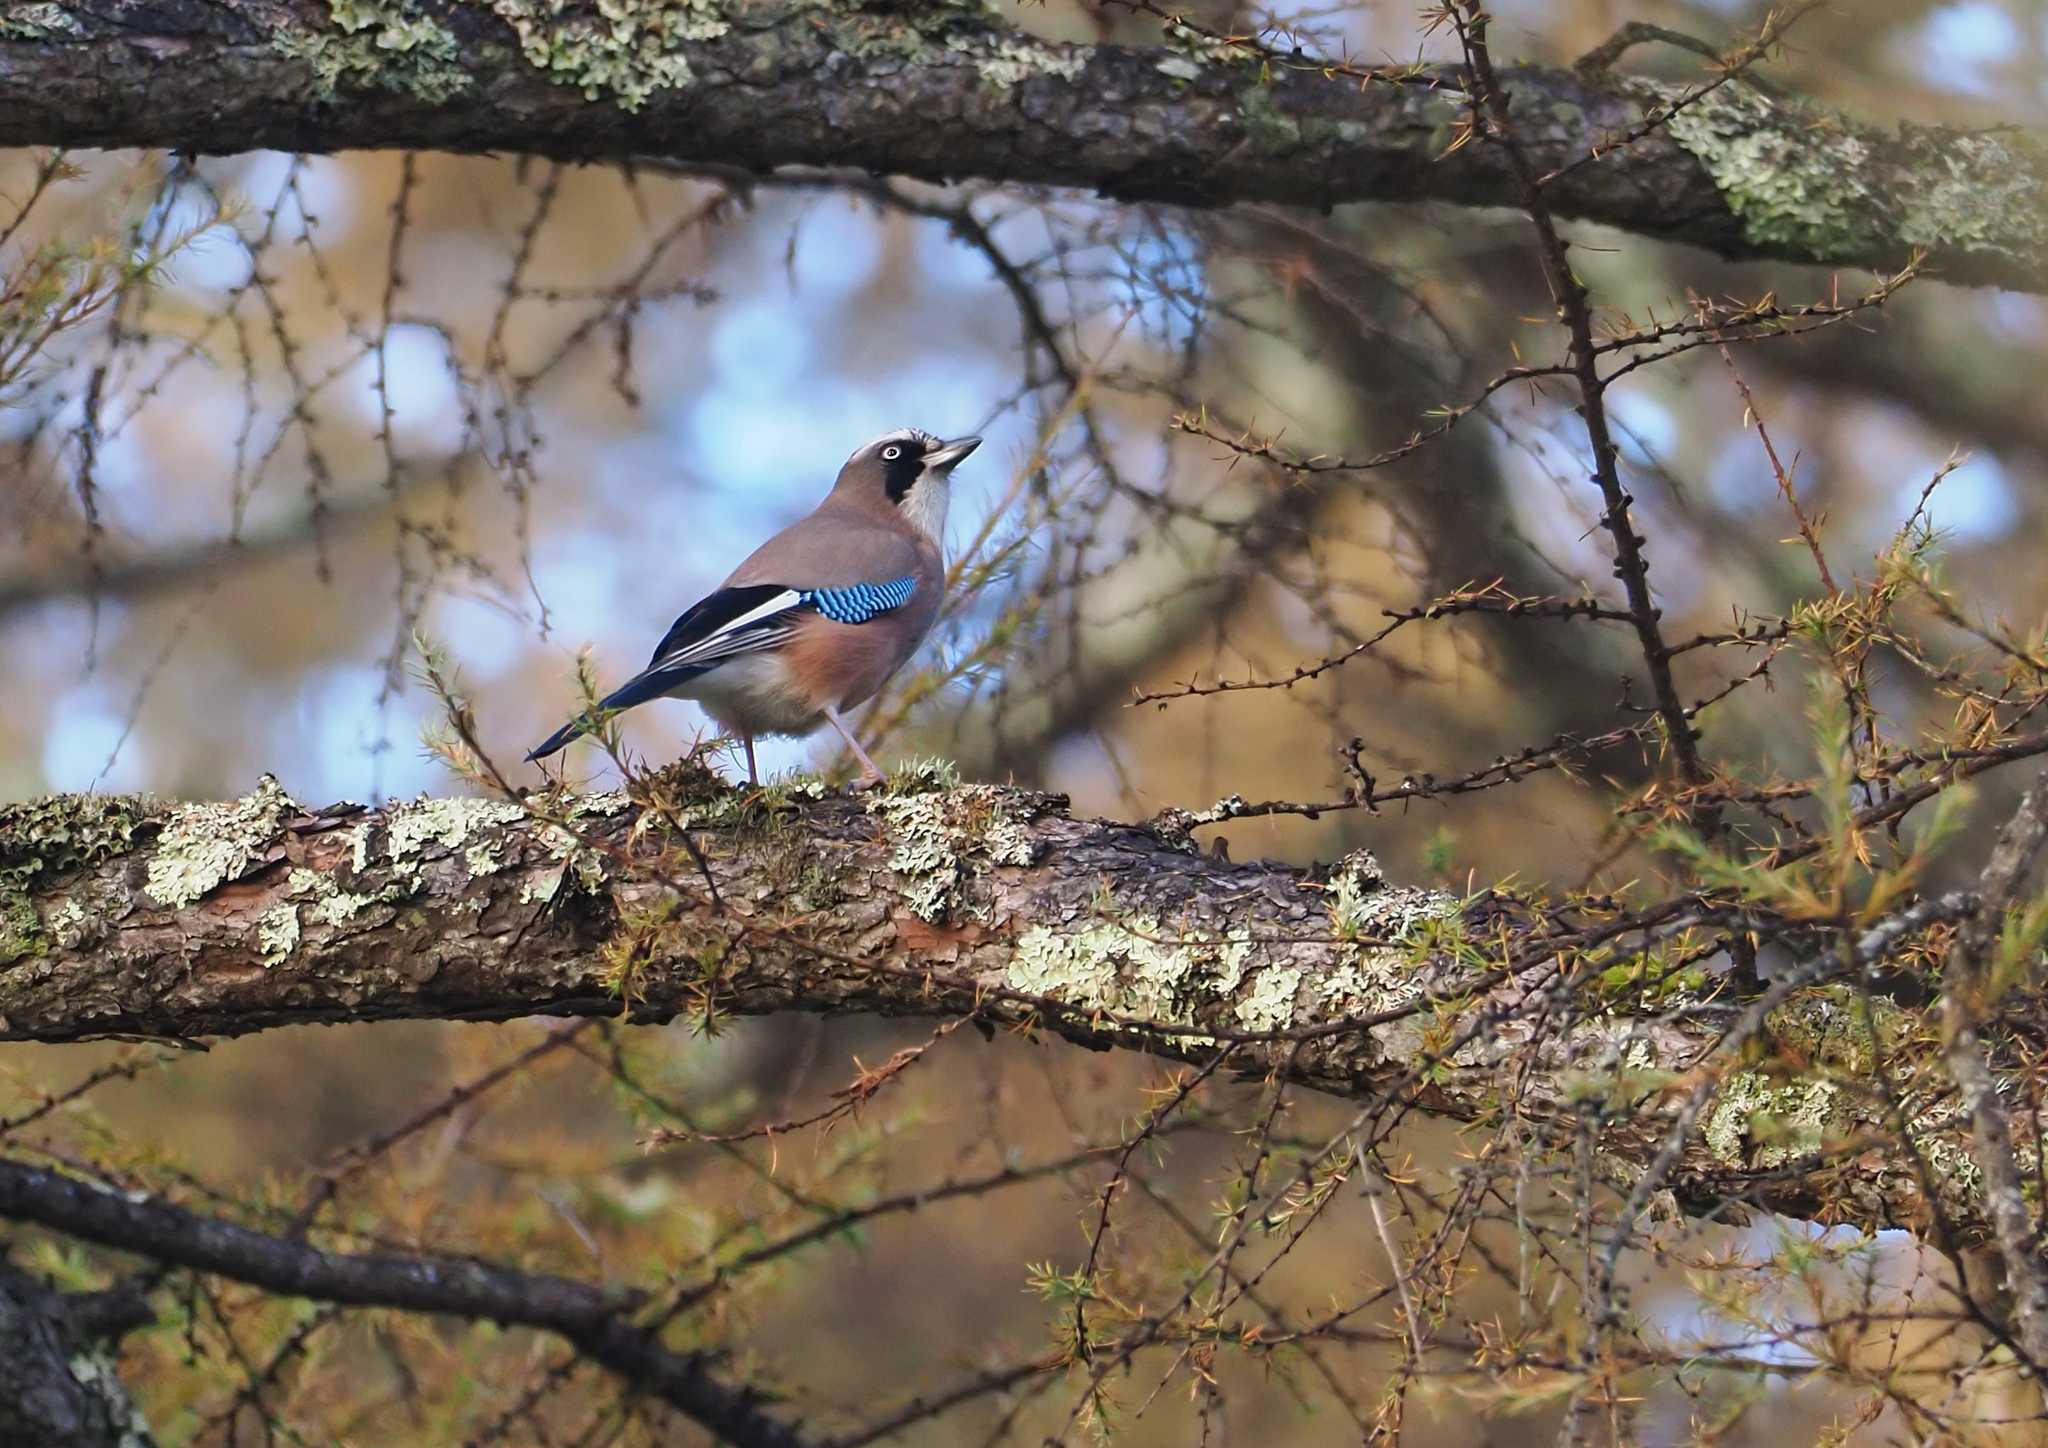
945	89
58	1384
124	916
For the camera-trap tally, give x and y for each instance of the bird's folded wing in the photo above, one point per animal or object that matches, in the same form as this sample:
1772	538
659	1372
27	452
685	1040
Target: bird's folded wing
753	617
730	621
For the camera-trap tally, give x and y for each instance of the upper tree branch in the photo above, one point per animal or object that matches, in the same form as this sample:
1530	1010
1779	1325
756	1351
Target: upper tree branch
944	90
118	916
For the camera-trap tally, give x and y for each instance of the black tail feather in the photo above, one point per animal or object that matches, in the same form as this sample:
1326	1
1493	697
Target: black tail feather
650	685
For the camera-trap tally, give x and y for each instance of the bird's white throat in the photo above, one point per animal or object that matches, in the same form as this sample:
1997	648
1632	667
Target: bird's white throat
925	507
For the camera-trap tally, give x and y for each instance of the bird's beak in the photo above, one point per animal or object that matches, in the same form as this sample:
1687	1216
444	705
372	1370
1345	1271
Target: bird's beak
949	454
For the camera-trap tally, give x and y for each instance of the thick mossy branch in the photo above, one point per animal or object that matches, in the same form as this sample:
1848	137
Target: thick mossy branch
945	88
930	898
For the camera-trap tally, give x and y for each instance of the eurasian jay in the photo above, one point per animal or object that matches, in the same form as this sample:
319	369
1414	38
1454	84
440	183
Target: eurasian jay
820	616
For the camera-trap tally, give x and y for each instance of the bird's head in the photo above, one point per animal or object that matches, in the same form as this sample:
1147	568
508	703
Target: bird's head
907	470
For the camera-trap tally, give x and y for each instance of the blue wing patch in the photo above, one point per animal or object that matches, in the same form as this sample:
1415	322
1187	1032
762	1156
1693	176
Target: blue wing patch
859	602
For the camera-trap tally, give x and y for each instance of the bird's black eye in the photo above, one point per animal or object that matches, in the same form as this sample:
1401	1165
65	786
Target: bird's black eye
891	453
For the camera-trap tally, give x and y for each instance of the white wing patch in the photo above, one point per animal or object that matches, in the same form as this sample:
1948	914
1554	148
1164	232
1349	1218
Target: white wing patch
741	635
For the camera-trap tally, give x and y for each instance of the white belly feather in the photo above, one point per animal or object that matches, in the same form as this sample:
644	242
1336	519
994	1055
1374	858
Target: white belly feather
753	694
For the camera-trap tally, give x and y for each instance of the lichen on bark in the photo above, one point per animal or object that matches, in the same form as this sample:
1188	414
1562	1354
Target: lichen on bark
387	44
204	845
43	840
1806	181
625	52
931	898
38	22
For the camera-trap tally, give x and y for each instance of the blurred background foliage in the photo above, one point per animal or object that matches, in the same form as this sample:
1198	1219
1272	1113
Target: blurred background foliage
528	409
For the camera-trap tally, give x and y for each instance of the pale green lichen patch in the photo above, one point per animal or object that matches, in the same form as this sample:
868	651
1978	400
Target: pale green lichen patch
277	932
1363	906
1620	1080
383	45
70	924
580	862
1944	1146
1269	1004
38	22
624	50
1982	190
600	805
1792	182
42	840
1803	181
1830	1027
203	846
577	861
944	836
452	824
21	929
1756	1123
328	904
1009	60
1194	48
1141	968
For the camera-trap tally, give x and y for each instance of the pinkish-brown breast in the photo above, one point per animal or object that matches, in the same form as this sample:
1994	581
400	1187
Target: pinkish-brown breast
843	664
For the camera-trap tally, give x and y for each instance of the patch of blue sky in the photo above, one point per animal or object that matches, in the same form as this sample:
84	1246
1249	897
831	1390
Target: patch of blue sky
85	734
330	192
944	393
1960	47
256	174
2015	316
176	210
1162	275
1688	1321
486	639
162	479
1740	477
426	411
591	598
1646	431
772	447
945	262
786	443
426	406
328	741
216	260
1975	503
837	249
758	346
51	640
